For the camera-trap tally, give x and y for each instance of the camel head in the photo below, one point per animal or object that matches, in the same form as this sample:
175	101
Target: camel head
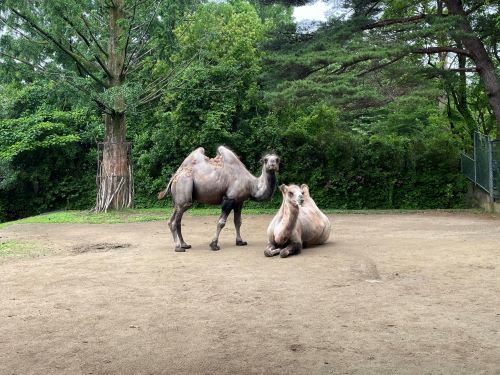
292	194
271	162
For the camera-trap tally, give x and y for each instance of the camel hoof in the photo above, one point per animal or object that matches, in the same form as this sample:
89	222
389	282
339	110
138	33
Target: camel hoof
180	250
186	246
269	253
284	253
214	246
241	243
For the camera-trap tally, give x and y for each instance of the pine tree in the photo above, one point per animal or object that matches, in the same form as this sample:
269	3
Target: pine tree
456	38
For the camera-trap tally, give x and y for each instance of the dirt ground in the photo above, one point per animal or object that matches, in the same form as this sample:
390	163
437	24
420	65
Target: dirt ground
389	294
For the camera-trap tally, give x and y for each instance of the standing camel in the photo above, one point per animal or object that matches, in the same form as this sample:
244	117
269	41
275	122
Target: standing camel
222	180
299	223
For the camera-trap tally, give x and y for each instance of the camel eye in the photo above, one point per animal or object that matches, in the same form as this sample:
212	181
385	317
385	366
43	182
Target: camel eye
265	160
290	194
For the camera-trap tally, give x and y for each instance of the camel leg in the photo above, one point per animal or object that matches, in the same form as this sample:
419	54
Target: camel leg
237	223
182	196
227	206
271	250
173	229
183	244
292	248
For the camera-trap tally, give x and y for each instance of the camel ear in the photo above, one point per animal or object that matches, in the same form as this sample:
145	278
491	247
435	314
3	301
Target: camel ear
283	188
305	189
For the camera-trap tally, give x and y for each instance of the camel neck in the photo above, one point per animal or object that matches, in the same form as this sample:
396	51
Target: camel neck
266	184
290	215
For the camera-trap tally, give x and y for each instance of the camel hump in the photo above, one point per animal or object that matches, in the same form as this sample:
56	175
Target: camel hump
226	153
194	157
199	153
196	152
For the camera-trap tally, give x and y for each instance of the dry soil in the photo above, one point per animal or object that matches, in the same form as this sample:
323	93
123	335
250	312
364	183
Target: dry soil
388	294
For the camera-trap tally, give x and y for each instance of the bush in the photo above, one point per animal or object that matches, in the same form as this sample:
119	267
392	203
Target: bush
343	169
47	162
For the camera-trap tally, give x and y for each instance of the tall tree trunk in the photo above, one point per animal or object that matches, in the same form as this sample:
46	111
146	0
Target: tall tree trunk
483	62
115	183
460	95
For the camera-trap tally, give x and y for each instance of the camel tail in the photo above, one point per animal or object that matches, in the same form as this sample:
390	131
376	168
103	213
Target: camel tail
164	193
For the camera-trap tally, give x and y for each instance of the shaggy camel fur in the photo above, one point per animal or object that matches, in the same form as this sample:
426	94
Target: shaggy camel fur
222	180
299	223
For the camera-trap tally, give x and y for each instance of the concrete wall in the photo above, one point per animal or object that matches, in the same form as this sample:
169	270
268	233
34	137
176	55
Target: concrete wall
478	198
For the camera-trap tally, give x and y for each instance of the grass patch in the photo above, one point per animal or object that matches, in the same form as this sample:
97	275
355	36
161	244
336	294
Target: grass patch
88	217
155	214
124	216
11	248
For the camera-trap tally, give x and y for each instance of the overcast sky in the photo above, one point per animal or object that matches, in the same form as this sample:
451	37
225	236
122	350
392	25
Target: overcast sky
317	11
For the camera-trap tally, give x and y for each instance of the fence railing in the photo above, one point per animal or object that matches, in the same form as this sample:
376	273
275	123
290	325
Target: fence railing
483	169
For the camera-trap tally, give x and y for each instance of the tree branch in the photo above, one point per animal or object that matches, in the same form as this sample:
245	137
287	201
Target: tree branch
16	29
88	44
89	29
156	89
72	24
380	66
373	6
129	34
141	44
78	59
162	82
431	50
62	77
393	21
136	4
428	50
473	69
458	70
34	66
346	65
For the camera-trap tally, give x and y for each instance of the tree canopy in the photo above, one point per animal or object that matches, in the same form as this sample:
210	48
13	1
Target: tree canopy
371	109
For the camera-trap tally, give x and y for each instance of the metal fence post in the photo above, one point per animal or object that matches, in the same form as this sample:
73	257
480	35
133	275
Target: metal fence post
490	167
475	158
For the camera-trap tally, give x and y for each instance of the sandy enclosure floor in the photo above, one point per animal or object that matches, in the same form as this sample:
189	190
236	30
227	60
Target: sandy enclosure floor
389	294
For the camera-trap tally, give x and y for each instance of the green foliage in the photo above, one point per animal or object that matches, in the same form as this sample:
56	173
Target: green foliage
238	74
29	134
47	158
214	99
353	171
77	44
221	32
377	141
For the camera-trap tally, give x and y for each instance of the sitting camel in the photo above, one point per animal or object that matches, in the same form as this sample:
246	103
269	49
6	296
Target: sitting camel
299	223
221	180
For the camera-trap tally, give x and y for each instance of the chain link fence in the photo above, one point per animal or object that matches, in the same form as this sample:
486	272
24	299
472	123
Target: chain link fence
495	164
483	169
